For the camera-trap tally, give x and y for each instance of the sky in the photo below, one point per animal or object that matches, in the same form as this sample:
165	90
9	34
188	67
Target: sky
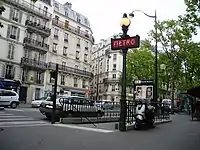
105	15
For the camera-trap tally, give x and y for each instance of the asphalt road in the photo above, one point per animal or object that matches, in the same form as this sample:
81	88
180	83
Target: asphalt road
181	134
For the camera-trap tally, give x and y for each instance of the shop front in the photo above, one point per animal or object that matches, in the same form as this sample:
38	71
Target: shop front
9	84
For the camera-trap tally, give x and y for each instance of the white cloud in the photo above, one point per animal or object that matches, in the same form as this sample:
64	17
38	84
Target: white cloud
104	15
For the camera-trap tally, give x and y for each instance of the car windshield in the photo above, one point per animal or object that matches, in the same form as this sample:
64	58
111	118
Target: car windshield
41	99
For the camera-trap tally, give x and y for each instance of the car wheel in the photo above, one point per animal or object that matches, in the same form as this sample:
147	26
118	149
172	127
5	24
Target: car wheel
48	117
99	113
13	105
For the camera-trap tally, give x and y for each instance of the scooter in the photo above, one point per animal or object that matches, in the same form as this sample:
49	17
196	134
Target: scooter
144	116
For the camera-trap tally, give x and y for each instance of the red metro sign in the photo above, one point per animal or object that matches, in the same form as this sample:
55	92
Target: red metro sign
122	43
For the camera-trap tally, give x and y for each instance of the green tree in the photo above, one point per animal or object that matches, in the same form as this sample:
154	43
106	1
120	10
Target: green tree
140	63
175	39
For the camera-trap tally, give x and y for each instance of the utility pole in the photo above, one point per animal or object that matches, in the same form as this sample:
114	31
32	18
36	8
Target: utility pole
53	120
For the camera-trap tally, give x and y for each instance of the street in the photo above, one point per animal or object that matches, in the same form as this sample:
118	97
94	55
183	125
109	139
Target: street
27	129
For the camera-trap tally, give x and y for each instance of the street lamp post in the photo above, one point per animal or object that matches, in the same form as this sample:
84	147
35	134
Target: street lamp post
156	48
124	43
124	23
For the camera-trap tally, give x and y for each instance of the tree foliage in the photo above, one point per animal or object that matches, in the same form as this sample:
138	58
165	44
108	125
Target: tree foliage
140	63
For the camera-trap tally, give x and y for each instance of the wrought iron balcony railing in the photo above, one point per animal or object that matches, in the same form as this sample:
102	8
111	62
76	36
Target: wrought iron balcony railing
33	63
38	28
72	70
73	29
26	6
34	44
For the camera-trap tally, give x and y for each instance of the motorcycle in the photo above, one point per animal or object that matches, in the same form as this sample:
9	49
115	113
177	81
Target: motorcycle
144	116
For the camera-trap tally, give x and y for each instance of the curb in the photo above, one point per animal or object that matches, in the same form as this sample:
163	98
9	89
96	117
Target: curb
131	127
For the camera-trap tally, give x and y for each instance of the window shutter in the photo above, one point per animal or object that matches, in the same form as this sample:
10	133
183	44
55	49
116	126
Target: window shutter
13	72
11	13
42	78
9	50
18	33
12	51
3	70
8	31
20	16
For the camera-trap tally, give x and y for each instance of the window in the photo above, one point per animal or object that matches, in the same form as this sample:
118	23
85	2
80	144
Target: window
66	23
45	10
86	33
78	42
11	49
77	55
114	66
62	81
113	87
37	93
75	82
15	13
84	69
114	76
66	13
12	32
86	21
56	33
63	65
56	19
78	18
115	57
76	67
56	7
83	84
65	51
10	72
85	57
39	77
66	37
86	45
55	47
78	29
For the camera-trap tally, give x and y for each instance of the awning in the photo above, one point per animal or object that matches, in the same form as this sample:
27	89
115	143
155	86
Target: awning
4	83
194	92
77	91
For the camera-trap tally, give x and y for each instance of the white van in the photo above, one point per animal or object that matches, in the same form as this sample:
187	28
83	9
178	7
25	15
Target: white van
9	98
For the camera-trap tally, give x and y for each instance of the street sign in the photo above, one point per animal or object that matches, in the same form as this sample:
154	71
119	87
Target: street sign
128	42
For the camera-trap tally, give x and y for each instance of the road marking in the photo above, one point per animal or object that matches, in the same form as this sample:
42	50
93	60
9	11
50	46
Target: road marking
25	125
84	128
13	119
25	109
6	115
11	116
15	109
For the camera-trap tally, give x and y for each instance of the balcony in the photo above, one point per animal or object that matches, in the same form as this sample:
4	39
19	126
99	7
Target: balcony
33	26
24	5
33	64
72	29
111	80
35	45
70	70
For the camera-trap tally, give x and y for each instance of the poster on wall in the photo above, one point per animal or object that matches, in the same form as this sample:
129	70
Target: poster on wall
144	92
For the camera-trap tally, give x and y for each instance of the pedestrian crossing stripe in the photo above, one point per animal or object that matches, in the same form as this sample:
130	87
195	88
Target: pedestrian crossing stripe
11	120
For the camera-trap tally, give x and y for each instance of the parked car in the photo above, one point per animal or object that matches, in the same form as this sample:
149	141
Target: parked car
36	103
9	98
70	106
104	104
